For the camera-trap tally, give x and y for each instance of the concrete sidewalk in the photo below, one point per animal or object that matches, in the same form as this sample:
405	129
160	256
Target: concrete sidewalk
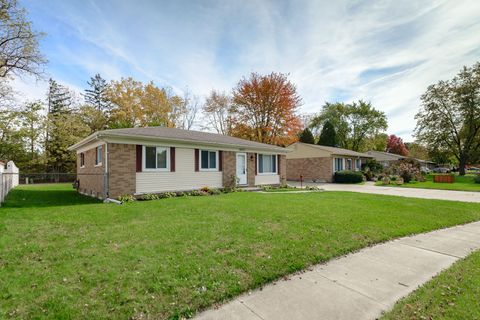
370	187
358	286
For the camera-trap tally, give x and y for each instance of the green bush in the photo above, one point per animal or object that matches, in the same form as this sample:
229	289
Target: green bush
126	198
477	178
347	176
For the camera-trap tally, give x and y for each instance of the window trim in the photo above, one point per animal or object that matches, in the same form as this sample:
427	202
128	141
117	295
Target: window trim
200	160
358	168
275	156
98	162
82	160
335	162
144	159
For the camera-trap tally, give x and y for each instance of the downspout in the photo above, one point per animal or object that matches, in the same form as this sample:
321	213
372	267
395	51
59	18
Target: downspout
105	177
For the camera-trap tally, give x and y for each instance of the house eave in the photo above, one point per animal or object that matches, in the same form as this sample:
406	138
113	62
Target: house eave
137	139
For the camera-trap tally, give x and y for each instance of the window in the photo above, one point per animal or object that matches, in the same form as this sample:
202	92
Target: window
155	158
338	163
208	160
98	156
82	160
267	163
358	164
349	164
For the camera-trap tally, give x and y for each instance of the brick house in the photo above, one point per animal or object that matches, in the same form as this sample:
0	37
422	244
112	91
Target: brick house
387	159
319	163
138	161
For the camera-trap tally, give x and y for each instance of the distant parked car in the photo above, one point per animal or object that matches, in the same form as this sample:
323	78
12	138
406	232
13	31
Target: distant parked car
474	169
425	170
441	170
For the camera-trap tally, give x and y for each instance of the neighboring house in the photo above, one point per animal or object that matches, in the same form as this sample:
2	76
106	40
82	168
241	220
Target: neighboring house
137	161
319	163
386	159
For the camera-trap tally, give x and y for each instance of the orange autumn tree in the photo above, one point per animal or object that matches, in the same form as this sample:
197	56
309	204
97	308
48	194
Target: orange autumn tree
265	109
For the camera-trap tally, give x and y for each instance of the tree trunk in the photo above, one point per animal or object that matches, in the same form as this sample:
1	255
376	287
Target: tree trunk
461	168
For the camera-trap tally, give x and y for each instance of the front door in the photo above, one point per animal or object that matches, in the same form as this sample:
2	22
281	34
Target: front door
241	168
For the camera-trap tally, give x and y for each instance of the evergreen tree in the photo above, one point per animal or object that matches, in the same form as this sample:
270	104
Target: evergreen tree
328	137
59	102
306	136
96	95
59	98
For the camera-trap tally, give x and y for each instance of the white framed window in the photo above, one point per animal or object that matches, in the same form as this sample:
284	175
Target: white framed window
267	163
349	164
337	164
208	160
82	160
156	158
98	155
358	164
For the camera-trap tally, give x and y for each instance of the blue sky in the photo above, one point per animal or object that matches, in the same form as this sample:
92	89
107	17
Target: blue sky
386	52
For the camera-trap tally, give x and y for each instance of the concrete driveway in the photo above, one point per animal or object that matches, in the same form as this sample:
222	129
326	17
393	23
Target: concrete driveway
358	286
369	187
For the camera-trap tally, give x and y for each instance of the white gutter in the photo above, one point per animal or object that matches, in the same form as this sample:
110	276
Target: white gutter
100	135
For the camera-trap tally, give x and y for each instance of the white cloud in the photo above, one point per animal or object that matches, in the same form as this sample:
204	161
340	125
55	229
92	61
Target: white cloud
387	52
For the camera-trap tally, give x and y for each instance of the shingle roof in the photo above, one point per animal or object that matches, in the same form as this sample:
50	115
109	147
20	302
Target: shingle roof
340	151
192	136
396	156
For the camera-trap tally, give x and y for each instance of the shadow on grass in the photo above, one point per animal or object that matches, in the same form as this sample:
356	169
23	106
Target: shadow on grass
47	196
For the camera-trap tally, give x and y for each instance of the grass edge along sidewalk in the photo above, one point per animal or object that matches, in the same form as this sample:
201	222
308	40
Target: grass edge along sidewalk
173	257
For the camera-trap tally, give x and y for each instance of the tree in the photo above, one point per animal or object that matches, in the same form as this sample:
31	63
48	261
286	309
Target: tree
190	108
395	145
306	136
96	95
59	98
377	142
417	150
336	115
19	49
365	121
139	105
328	136
354	123
11	140
32	126
217	110
93	118
265	109
450	116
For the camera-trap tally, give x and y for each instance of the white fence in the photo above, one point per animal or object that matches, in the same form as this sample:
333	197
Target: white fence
9	178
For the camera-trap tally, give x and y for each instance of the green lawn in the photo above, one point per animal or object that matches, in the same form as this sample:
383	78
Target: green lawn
462	183
454	294
63	255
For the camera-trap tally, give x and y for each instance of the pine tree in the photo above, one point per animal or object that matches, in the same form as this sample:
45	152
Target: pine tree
96	95
328	137
59	102
59	98
306	136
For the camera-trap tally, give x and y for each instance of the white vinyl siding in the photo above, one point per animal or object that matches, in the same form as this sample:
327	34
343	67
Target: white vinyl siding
184	177
267	179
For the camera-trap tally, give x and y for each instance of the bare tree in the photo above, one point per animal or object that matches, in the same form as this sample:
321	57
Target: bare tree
190	108
19	50
217	110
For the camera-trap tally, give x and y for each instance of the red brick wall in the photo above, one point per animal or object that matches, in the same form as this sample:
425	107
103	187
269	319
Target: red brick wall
91	177
229	170
312	169
121	169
